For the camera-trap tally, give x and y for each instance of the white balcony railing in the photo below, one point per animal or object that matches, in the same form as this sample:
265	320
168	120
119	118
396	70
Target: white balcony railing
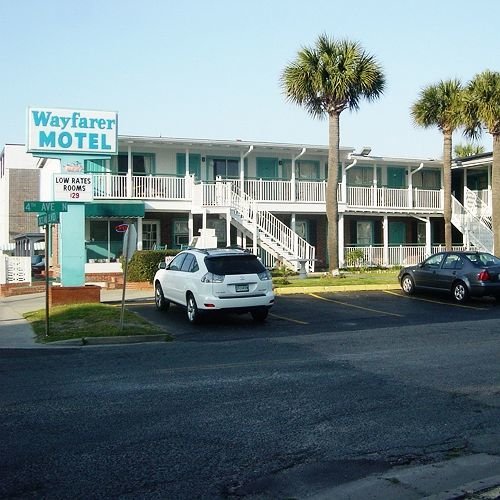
384	197
397	255
159	187
141	186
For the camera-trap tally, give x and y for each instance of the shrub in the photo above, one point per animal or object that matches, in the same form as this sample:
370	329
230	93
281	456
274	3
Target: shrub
144	264
354	258
281	275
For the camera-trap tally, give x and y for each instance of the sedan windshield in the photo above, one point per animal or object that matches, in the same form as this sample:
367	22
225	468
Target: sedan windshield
483	259
234	264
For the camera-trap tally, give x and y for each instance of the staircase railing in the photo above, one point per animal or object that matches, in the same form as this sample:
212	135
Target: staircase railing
478	207
474	229
278	235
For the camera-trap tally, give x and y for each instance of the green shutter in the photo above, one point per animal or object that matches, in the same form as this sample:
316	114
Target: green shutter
181	164
397	233
194	165
267	168
396	177
95	166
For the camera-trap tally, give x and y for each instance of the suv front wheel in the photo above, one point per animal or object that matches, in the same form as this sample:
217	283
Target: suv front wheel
160	302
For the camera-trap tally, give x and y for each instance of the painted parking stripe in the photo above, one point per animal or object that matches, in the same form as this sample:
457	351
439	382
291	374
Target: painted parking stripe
436	301
289	319
356	306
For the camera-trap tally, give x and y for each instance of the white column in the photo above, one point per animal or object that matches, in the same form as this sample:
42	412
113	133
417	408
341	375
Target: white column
374	185
465	185
204	219
292	181
242	171
385	237
410	188
130	168
187	161
139	233
428	242
228	227
341	238
343	187
190	226
255	230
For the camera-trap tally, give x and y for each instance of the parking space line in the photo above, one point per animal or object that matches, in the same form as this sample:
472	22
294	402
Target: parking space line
356	306
436	301
289	319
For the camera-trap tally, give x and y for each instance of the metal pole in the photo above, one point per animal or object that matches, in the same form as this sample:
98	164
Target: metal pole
124	279
47	254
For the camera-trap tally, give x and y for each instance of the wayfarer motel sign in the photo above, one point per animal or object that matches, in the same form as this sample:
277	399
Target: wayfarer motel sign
55	130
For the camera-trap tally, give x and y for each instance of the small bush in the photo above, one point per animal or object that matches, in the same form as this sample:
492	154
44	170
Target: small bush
144	264
281	275
355	258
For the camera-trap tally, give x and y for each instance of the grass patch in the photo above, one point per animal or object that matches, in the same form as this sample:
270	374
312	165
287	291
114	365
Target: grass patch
370	278
88	320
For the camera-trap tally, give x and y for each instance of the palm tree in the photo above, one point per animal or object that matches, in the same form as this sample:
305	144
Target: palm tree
482	109
440	105
326	79
469	149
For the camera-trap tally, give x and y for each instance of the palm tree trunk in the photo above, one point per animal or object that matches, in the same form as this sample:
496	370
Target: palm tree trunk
331	192
495	194
447	188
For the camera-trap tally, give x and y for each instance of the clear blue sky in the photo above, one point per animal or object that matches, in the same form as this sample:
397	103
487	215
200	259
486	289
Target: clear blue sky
210	68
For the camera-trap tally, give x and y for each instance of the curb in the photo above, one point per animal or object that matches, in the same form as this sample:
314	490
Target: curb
124	339
290	290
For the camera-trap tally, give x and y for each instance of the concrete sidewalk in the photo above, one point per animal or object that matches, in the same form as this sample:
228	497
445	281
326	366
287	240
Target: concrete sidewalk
471	476
16	332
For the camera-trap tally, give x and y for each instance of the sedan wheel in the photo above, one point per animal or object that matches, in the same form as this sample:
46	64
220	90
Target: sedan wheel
160	302
192	310
407	284
460	292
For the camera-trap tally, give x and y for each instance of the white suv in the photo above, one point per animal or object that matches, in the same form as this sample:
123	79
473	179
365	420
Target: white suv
201	280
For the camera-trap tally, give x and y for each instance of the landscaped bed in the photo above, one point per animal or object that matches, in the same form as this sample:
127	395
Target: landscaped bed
80	321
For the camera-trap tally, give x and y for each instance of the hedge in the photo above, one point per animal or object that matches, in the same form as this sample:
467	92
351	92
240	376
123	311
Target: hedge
144	264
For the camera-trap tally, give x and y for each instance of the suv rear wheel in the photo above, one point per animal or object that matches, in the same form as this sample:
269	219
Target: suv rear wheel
260	315
193	313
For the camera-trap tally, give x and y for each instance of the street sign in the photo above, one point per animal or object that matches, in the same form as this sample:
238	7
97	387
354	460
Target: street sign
45	206
48	218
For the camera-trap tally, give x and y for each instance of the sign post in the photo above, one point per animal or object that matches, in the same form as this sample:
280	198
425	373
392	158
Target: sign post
48	214
129	247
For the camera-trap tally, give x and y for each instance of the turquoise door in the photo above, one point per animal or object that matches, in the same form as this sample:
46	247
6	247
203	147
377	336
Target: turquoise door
396	177
267	168
397	233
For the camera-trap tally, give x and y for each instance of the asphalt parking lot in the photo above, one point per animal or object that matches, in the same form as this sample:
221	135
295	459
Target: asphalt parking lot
320	313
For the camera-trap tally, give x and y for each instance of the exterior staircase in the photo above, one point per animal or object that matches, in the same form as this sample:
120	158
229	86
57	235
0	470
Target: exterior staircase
269	232
473	221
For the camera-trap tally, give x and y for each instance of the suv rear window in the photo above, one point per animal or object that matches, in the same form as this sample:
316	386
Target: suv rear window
234	264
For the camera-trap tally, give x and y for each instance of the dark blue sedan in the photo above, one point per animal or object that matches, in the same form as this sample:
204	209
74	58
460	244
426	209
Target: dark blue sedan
464	274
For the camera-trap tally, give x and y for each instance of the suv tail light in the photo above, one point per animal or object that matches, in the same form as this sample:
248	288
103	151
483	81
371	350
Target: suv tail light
264	275
483	275
213	278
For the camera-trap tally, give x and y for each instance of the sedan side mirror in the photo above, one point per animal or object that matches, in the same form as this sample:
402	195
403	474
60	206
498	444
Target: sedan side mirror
162	265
